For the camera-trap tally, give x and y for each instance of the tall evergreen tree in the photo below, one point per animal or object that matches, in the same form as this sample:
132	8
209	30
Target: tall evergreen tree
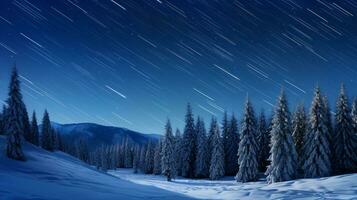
354	116
330	128
316	147
345	139
128	157
283	156
142	158
157	158
168	158
202	162
189	146
263	142
248	147
136	159
149	158
26	126
178	152
34	131
232	151
46	133
211	132
14	126
216	169
299	128
2	121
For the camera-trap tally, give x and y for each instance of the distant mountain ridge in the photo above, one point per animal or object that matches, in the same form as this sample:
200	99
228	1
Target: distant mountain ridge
100	134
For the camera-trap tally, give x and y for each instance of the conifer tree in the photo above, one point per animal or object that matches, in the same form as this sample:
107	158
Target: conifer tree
157	158
299	128
47	138
202	162
128	157
178	152
2	121
345	141
136	159
142	158
149	158
34	130
168	158
189	146
283	156
230	142
263	142
316	147
354	116
26	126
248	147
14	126
216	169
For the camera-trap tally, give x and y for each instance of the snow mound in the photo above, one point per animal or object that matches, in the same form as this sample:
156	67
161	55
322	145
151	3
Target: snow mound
47	176
333	188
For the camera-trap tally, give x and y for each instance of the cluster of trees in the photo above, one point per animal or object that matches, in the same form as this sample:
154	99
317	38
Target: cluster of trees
285	146
16	125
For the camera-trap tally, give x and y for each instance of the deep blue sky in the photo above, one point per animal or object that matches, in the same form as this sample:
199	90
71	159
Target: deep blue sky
134	63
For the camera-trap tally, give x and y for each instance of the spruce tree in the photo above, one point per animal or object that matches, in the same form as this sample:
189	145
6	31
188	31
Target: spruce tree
26	126
263	142
248	147
230	142
299	128
283	156
157	158
14	127
317	152
142	158
189	146
149	158
168	156
46	133
202	162
34	131
128	157
354	116
345	141
136	159
2	121
211	132
216	169
178	152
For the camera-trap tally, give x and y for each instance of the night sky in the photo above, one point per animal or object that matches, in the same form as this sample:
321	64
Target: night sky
133	63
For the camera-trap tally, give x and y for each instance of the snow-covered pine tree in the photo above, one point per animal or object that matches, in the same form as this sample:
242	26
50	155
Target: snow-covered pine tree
128	157
345	140
178	152
212	129
157	158
168	155
202	162
2	121
14	127
230	142
149	158
283	156
248	146
46	137
263	142
26	126
316	150
34	130
299	128
136	159
216	169
142	158
330	128
189	146
354	116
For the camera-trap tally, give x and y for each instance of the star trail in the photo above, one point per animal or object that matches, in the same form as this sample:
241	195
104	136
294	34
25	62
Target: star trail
136	63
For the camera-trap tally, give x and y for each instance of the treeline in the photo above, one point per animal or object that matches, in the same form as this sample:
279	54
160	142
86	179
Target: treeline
283	146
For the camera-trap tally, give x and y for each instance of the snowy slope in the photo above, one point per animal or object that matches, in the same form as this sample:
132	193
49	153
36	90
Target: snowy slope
337	187
57	176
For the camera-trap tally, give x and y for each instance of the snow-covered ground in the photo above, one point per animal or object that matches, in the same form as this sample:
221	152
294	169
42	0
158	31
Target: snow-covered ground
57	176
337	187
